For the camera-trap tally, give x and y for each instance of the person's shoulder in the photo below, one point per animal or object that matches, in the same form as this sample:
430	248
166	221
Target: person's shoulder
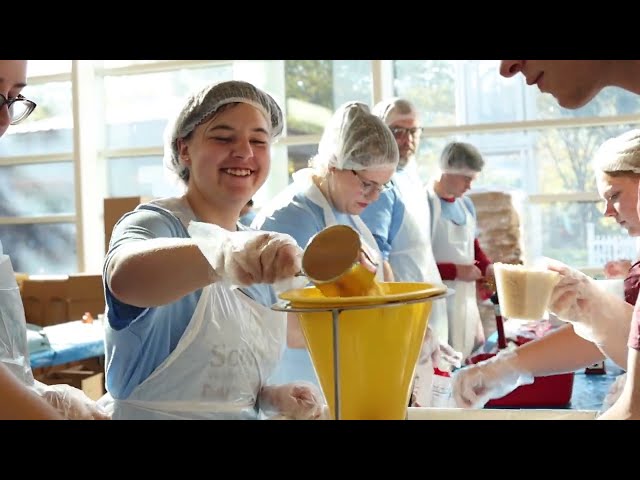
150	219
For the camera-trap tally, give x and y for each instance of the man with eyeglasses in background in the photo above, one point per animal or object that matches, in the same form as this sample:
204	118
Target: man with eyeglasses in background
400	223
21	396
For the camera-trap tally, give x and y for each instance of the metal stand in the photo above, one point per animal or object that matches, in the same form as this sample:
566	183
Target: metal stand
335	315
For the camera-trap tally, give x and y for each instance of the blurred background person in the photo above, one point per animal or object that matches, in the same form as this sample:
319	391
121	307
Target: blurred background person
460	259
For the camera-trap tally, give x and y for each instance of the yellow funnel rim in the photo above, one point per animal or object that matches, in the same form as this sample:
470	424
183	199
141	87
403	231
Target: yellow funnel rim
312	297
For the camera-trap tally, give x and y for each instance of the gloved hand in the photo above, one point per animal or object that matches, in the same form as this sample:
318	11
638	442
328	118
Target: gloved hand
247	257
296	401
475	385
614	392
597	315
70	402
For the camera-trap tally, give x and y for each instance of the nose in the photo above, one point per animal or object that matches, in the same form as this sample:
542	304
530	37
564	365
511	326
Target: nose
508	68
5	119
242	148
609	211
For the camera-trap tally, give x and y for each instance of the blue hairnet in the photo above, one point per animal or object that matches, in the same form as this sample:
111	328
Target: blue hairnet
355	139
201	105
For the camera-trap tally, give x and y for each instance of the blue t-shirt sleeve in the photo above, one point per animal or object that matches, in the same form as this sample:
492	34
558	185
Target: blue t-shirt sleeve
138	225
293	220
378	218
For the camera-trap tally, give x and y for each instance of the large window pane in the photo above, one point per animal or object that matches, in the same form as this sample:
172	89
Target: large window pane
41	248
48	67
577	234
123	63
140	176
299	156
137	106
458	92
48	129
37	189
314	88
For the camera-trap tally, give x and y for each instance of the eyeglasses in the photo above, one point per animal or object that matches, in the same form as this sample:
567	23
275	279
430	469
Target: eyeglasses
19	108
369	187
400	131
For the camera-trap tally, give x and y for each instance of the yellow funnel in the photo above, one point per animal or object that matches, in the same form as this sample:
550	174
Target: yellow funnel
379	340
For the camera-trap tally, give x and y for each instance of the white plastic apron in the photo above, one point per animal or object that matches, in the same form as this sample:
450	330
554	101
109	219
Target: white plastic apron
411	256
230	347
454	244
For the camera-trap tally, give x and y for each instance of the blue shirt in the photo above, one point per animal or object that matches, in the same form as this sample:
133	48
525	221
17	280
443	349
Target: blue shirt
454	211
384	218
142	338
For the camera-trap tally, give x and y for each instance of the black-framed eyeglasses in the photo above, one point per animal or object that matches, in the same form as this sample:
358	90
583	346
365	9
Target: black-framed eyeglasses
369	187
19	108
400	131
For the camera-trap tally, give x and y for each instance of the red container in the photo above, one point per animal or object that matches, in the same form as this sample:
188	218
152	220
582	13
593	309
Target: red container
545	392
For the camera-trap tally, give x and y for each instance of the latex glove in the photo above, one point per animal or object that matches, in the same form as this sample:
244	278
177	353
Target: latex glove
475	385
70	402
614	392
439	352
296	401
247	257
597	315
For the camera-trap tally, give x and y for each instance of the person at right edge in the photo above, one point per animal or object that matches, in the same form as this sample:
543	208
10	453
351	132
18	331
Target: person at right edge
460	259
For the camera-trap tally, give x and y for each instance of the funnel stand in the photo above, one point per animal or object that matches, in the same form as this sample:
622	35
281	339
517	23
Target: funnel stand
336	363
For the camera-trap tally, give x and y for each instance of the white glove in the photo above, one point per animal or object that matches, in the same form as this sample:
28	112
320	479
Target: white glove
70	402
475	385
614	392
295	401
247	257
597	315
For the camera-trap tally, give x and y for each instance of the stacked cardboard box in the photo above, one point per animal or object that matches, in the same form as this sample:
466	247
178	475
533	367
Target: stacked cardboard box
114	209
57	299
499	236
498	226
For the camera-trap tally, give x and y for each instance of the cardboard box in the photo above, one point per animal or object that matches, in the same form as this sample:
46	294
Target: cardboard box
52	300
114	209
89	381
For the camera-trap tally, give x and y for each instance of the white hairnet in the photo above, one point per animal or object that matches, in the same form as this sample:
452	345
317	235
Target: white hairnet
461	158
355	139
394	109
618	154
201	105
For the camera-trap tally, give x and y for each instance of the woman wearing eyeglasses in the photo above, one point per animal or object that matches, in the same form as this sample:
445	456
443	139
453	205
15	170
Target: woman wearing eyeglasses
21	396
460	259
357	156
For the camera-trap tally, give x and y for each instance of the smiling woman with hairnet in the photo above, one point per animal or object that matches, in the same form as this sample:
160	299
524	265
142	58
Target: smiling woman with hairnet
190	332
356	157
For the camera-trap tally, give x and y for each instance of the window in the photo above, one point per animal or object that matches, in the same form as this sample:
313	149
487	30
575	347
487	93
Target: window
531	146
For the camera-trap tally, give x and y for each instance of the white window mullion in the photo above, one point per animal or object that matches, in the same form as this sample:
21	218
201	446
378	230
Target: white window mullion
88	184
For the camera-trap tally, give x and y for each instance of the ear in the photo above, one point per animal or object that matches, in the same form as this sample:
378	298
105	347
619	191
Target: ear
183	152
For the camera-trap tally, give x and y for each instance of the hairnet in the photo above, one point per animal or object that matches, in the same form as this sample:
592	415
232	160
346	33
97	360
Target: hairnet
355	139
201	105
395	107
461	158
618	154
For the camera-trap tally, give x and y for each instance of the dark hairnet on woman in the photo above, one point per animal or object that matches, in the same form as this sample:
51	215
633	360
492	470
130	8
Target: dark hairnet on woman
190	332
460	259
